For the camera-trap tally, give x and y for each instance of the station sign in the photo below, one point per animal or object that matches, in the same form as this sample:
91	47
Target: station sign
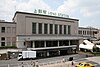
45	12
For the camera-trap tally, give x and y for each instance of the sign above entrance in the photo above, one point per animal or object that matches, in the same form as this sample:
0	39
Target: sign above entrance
45	12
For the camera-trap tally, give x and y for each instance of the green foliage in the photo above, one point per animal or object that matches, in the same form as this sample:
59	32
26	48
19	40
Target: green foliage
95	52
6	47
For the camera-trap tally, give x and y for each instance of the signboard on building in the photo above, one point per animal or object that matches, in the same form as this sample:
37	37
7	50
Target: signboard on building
45	12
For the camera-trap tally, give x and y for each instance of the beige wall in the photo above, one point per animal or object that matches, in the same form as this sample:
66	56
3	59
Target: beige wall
24	23
10	33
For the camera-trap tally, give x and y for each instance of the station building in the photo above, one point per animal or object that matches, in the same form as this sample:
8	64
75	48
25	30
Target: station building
48	35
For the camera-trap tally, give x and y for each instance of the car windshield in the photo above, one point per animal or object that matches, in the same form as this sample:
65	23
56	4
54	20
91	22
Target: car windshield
80	64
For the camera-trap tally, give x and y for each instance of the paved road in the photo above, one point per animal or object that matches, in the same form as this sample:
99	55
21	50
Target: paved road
27	63
14	62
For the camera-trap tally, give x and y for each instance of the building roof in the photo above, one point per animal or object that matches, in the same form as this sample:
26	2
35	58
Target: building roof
42	15
8	22
88	28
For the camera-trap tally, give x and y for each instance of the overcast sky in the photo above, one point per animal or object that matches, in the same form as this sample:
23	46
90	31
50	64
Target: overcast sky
87	11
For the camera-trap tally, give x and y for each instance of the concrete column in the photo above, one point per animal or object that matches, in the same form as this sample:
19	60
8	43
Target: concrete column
62	29
33	45
48	28
47	53
36	28
69	42
58	43
58	29
44	43
42	28
53	28
59	52
67	29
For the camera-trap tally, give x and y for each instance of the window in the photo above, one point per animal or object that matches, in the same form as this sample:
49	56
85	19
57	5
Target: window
65	29
3	29
45	28
34	28
8	29
3	38
60	29
40	28
51	28
80	32
56	28
8	44
2	43
13	29
69	29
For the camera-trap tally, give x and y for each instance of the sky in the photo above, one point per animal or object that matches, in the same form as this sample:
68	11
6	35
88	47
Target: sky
87	11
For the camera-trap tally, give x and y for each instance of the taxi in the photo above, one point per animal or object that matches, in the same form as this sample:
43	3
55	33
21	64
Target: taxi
84	64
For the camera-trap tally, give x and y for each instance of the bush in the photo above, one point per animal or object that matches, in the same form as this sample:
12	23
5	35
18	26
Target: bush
95	52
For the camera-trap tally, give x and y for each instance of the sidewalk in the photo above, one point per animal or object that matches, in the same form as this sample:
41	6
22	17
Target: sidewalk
62	64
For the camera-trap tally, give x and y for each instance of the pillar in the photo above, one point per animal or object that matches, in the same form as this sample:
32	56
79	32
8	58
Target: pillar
33	44
48	28
69	42
47	53
62	29
58	43
44	43
36	28
42	28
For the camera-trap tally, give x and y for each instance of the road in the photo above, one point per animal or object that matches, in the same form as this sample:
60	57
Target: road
27	63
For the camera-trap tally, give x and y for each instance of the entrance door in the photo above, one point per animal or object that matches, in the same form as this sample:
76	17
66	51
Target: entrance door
29	44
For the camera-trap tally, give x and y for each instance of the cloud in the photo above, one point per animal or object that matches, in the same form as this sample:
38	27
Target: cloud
10	6
31	5
85	7
68	6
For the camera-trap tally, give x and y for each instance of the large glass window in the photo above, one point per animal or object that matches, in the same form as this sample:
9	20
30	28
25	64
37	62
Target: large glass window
45	28
3	29
40	28
56	28
51	28
39	44
60	29
65	29
34	28
69	29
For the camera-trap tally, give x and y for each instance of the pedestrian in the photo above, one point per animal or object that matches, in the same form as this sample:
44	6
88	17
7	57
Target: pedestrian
72	63
22	64
63	60
33	64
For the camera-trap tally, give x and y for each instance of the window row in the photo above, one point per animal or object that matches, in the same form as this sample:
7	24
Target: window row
86	32
40	28
8	44
8	30
8	39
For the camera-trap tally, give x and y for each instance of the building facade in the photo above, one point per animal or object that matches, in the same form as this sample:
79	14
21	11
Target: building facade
7	33
87	32
48	35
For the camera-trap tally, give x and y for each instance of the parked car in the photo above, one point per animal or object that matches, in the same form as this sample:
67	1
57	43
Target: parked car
84	64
